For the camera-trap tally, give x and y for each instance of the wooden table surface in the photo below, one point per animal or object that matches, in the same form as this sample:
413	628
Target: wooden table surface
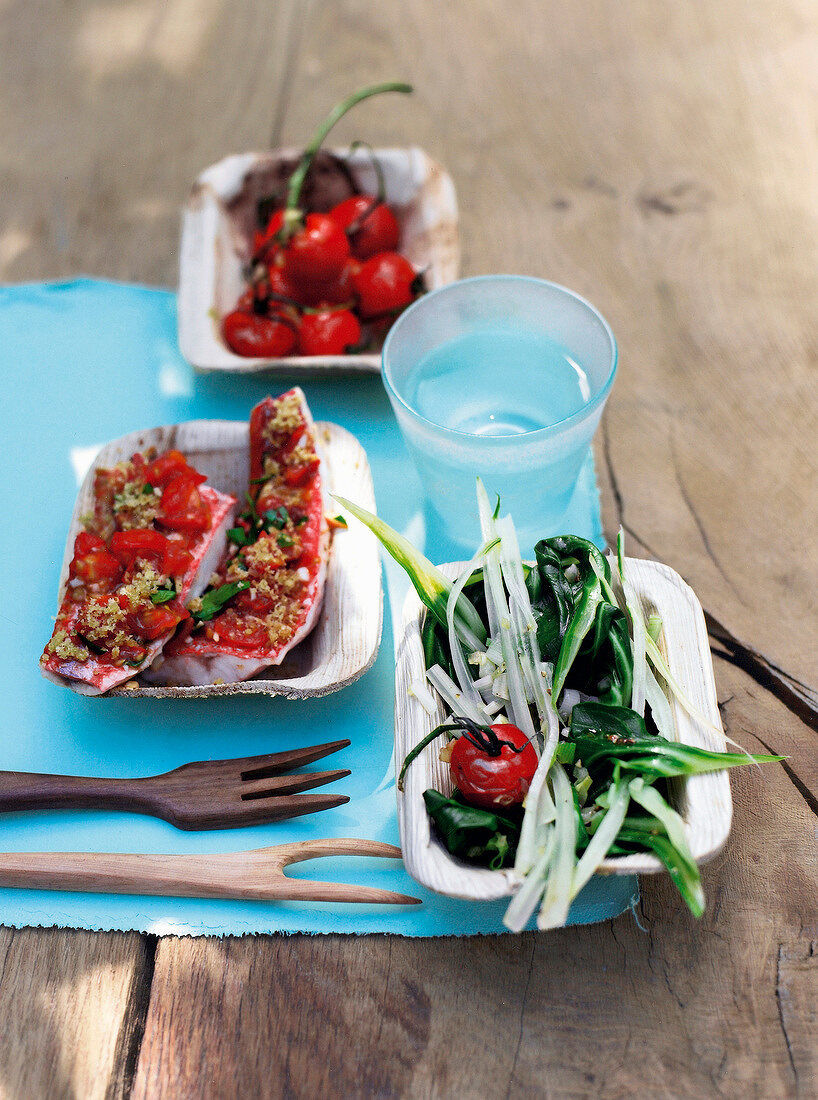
663	161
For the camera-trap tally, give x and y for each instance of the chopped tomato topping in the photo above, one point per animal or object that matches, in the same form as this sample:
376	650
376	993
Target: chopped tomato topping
236	630
183	508
168	466
145	543
152	622
297	475
96	567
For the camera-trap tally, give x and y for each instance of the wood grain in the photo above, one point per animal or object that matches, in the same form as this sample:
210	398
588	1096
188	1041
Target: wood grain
65	1002
662	161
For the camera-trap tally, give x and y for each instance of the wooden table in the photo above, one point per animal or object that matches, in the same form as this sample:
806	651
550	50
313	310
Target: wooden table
662	160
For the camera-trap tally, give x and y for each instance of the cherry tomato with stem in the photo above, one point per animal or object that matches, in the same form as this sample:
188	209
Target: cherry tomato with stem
252	334
492	766
384	284
369	224
318	251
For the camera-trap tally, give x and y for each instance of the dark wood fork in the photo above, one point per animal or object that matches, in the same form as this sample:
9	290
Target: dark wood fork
207	794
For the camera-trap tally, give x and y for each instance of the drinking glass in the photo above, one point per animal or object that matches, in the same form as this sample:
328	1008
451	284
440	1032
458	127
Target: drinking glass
503	377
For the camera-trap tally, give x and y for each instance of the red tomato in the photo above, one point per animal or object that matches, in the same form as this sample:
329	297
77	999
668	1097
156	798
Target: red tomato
177	559
167	466
252	334
264	243
127	546
85	542
375	229
96	566
333	292
154	620
493	779
254	602
182	507
384	284
328	332
297	475
317	252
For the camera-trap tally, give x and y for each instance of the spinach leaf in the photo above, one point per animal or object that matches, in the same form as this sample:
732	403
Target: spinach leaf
476	835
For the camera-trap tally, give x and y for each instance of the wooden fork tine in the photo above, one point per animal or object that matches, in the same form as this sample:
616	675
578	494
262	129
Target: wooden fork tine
288	784
260	811
295	889
300	850
257	767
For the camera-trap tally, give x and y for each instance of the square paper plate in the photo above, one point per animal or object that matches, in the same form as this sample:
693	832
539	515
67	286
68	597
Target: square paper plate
703	801
216	245
345	640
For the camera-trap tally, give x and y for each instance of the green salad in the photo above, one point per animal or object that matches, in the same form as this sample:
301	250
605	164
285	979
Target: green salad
561	738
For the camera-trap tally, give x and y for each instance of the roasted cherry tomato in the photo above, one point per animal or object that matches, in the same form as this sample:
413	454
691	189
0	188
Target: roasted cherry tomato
384	284
493	766
328	332
370	225
183	508
318	251
252	334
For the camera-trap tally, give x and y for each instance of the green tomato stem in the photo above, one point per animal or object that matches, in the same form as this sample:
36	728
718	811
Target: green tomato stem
292	213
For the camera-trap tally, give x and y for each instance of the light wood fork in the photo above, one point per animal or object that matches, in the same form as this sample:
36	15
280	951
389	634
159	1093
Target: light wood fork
256	875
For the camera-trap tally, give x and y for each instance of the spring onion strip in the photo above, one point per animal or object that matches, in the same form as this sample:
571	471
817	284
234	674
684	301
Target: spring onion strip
429	582
650	799
527	898
638	634
659	706
498	611
557	899
539	812
530	658
603	838
421	692
453	697
459	662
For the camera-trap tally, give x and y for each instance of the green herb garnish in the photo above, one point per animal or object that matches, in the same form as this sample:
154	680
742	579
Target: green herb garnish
276	517
163	595
284	541
240	536
214	600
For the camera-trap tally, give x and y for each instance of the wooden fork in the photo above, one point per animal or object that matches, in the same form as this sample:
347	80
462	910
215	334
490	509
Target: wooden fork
255	875
207	794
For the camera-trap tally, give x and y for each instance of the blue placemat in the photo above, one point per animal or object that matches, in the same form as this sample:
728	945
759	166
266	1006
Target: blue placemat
84	362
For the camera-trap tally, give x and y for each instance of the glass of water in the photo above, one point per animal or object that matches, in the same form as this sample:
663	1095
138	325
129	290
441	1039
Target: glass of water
503	377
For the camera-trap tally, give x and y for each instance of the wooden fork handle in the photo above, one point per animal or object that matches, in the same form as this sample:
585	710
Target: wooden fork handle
238	875
40	791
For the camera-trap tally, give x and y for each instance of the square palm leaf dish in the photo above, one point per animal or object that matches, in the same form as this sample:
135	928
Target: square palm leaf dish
554	720
218	224
344	641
